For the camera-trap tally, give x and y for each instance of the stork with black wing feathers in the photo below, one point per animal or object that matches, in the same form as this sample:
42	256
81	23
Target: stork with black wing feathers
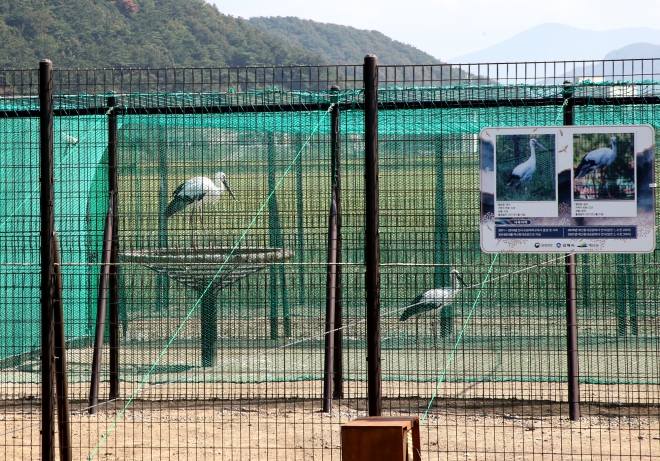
196	192
597	160
433	299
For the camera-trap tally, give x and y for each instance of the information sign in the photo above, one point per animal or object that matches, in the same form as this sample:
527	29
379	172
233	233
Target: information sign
567	189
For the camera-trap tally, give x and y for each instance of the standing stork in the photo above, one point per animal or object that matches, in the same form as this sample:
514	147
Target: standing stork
598	159
433	299
198	191
522	174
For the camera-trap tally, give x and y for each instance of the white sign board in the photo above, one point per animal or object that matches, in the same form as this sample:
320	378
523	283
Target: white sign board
567	189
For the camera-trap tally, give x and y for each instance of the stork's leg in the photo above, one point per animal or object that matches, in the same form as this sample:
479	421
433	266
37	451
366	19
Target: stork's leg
606	189
605	184
192	230
594	189
201	220
435	334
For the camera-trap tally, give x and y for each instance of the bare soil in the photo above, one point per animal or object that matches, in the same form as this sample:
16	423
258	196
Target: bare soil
260	422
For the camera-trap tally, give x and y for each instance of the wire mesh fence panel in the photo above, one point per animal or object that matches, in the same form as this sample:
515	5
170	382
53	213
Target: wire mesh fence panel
20	330
225	183
485	365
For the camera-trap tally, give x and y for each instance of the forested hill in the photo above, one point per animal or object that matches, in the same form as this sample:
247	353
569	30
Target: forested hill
135	33
340	44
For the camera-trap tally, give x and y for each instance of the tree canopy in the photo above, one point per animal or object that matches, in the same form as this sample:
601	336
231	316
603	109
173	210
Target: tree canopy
135	33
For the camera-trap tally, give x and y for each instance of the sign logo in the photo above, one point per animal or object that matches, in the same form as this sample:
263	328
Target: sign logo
559	245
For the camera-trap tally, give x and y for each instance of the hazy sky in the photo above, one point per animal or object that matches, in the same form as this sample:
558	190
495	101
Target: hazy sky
450	28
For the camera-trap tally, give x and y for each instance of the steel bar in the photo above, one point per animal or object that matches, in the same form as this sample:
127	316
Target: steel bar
441	254
313	107
46	205
278	277
113	180
162	280
372	243
331	280
106	259
300	222
273	226
335	133
61	381
571	298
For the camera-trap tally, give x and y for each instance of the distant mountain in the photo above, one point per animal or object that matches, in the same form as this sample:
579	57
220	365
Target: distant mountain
135	33
635	51
558	42
340	44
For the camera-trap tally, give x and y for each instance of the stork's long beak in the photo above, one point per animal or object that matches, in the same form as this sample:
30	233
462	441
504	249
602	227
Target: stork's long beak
229	189
541	146
460	279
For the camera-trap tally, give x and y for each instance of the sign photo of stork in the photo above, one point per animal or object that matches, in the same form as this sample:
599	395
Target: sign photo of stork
603	166
526	168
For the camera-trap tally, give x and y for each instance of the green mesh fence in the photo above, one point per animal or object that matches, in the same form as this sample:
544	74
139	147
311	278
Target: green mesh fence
222	314
79	146
429	225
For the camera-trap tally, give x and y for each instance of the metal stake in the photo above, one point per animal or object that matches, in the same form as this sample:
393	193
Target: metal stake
106	259
46	205
336	168
61	381
571	299
372	243
113	182
331	281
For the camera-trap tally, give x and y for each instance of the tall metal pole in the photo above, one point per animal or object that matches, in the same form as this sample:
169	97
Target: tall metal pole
61	381
97	354
441	253
331	280
113	182
46	205
571	298
274	241
372	243
300	215
338	391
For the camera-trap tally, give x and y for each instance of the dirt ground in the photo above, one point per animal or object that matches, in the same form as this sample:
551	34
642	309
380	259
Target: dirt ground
251	426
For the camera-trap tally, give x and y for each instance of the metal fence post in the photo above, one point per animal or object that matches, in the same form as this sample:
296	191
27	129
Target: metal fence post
162	280
441	255
113	180
46	205
276	240
300	221
571	297
338	391
61	381
332	273
331	279
106	260
371	231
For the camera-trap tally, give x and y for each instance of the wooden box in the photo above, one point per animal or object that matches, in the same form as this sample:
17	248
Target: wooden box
380	438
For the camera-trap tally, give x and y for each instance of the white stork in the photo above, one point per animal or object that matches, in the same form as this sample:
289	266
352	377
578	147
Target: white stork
598	159
433	299
522	174
198	191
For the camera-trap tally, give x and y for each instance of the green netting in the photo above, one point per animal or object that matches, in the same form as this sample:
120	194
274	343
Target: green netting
429	205
79	144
